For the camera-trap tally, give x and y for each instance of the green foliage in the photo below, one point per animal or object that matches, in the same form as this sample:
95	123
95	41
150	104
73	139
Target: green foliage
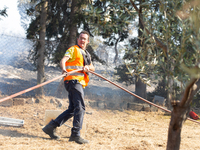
111	19
93	55
57	28
160	17
196	101
189	15
3	12
159	90
124	75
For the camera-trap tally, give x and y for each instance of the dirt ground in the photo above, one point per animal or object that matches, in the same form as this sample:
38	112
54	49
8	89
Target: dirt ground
105	129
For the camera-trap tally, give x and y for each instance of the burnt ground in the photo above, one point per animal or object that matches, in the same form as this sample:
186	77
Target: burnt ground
105	129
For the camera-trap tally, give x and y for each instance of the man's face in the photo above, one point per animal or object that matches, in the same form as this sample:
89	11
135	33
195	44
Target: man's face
83	40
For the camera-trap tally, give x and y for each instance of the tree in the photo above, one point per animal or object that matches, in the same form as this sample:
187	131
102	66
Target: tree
177	53
147	57
62	23
181	108
3	12
110	19
37	11
140	87
64	19
113	19
41	47
73	26
124	21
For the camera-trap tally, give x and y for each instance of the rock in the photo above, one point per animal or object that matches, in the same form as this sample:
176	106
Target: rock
154	109
59	103
101	104
40	100
146	108
89	113
123	105
93	103
7	103
52	101
135	106
56	101
159	100
18	101
30	101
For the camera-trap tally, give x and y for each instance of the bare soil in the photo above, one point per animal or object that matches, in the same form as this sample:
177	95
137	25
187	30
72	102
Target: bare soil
105	129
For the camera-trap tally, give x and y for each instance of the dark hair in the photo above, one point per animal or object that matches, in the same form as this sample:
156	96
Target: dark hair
85	32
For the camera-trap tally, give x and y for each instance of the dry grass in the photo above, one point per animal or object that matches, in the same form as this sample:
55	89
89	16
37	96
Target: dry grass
105	129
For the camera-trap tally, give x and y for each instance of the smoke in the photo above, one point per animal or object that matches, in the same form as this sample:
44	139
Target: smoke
14	65
12	47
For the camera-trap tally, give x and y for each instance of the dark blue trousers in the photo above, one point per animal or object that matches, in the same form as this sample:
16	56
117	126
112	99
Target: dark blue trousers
76	107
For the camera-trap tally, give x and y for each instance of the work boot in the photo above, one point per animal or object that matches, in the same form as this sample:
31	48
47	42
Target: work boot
78	140
50	129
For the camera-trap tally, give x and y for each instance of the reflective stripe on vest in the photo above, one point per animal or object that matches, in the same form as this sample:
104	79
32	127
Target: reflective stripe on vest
77	74
73	67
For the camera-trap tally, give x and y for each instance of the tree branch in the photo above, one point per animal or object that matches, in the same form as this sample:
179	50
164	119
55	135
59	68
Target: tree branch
158	42
190	91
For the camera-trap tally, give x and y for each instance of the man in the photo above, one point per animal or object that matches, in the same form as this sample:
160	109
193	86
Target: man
76	57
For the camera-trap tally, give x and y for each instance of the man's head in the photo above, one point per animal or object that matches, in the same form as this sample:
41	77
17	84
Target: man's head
83	39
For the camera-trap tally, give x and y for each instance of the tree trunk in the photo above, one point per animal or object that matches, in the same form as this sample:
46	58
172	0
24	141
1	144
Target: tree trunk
140	87
40	63
140	90
72	41
179	115
170	84
73	25
116	51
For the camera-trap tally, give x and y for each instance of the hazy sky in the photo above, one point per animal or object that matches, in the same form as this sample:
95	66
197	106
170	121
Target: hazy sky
11	25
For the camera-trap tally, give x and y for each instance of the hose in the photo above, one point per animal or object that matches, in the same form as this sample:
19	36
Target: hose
137	95
47	82
37	86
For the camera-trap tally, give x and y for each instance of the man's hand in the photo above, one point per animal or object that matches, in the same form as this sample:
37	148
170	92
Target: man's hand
86	68
62	64
64	72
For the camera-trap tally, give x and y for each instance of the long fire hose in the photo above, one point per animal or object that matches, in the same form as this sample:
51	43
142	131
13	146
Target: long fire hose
138	96
37	86
56	78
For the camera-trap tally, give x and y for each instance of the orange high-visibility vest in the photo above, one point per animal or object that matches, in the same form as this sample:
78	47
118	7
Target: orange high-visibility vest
78	63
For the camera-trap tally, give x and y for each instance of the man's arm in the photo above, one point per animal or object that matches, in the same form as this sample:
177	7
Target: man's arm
62	63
